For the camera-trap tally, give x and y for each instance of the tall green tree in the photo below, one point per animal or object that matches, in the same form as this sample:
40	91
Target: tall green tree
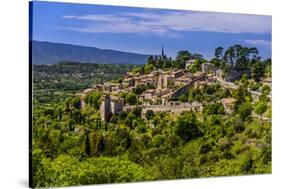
87	145
213	109
260	108
257	70
219	53
245	110
131	98
151	61
187	127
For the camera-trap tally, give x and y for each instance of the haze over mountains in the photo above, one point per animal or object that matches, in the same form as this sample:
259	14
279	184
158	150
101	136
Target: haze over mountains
52	53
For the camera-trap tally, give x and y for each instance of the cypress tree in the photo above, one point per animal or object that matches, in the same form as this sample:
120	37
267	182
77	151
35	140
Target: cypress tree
87	145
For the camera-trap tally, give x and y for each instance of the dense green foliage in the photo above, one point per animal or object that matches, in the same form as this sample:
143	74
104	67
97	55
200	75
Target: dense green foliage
72	146
242	59
206	93
67	170
164	62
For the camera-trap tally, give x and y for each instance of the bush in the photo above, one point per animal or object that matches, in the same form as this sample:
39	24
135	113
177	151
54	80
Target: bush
213	109
157	141
131	98
245	110
149	114
141	129
66	171
186	127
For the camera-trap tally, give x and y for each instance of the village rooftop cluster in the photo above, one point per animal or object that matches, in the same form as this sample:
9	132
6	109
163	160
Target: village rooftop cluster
163	87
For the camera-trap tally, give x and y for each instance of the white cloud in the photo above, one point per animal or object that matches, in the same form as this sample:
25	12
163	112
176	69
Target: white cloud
258	43
171	23
103	17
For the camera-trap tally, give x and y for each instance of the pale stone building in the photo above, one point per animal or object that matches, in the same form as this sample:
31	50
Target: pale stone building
168	81
110	105
208	68
189	63
128	82
160	82
182	81
228	104
267	81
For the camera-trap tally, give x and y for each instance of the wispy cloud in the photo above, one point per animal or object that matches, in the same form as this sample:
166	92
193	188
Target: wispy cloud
258	43
172	23
102	17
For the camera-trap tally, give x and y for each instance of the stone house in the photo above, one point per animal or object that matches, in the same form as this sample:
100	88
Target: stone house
189	63
267	81
128	82
160	82
228	104
199	75
150	95
116	87
177	73
182	81
111	87
168	81
208	68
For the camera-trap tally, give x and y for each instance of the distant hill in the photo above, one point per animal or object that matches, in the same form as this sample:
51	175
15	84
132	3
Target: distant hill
52	53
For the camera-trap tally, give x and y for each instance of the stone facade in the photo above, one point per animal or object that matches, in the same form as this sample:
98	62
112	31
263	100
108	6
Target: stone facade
267	81
183	81
160	83
208	68
228	104
189	63
169	81
105	108
110	105
112	87
128	82
231	75
177	73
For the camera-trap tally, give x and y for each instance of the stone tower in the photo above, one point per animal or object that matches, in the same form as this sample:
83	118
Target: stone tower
110	105
105	108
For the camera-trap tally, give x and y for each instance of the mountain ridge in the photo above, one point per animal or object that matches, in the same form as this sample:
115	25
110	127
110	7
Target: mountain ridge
44	52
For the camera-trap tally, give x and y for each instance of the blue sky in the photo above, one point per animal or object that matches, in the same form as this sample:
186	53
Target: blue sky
144	30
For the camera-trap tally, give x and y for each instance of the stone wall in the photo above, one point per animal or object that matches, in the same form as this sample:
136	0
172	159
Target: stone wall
184	89
208	68
175	108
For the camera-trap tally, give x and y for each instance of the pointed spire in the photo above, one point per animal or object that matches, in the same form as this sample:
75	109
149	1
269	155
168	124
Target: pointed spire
163	54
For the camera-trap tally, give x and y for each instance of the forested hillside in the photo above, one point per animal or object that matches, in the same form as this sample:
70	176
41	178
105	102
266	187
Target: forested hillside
52	83
72	147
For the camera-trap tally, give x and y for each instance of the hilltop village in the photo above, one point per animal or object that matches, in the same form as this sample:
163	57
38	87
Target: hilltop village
159	90
169	118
